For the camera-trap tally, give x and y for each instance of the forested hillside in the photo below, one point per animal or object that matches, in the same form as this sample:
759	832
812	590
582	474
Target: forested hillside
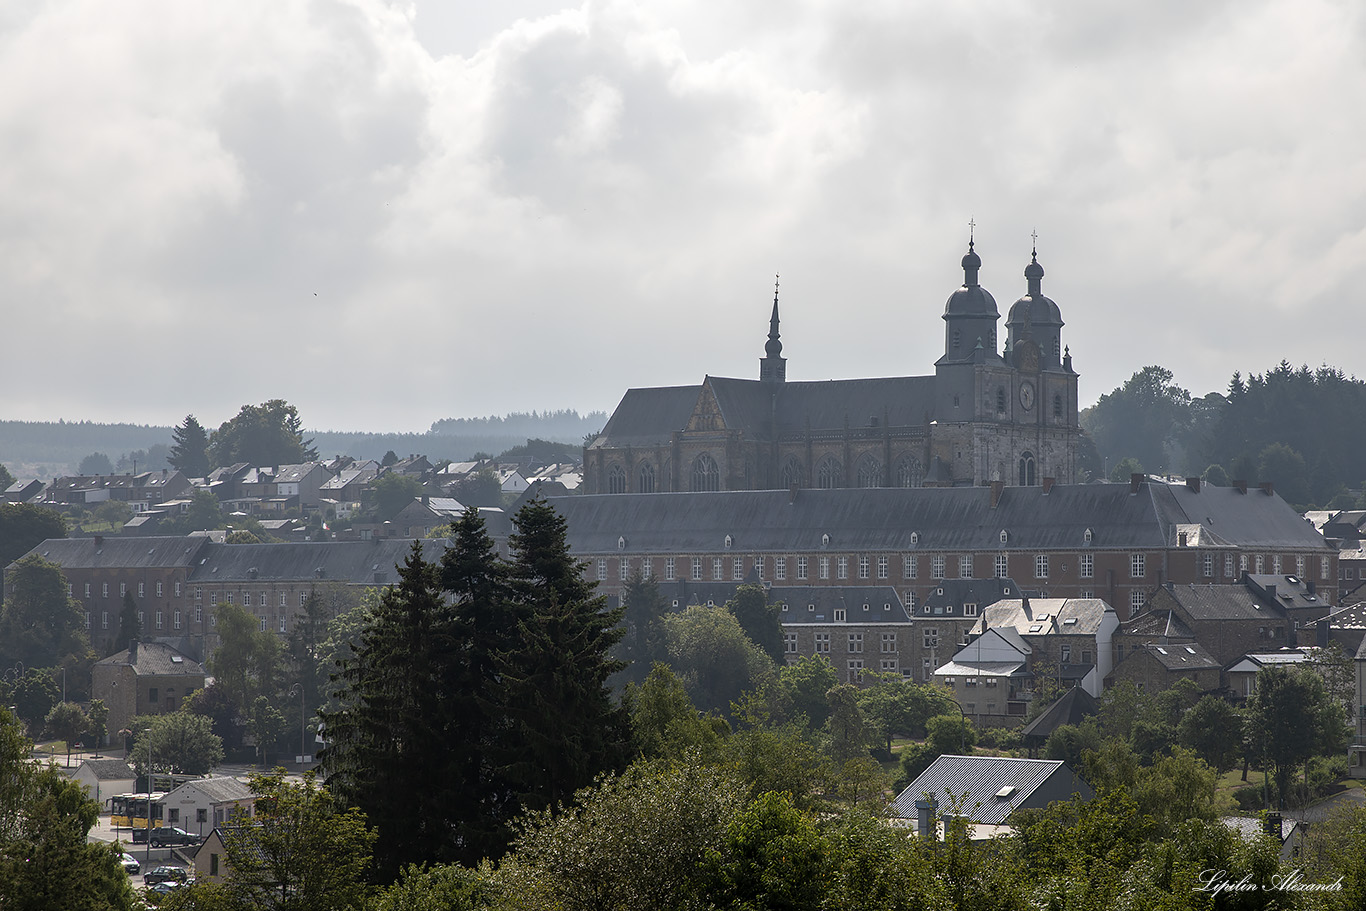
1302	429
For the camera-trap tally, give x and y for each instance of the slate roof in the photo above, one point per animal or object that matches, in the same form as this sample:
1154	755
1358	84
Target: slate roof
1165	624
884	606
647	417
951	594
1253	661
218	789
109	769
356	562
960	518
1187	656
133	553
1074	707
289	474
1291	592
155	659
1086	615
1217	602
975	781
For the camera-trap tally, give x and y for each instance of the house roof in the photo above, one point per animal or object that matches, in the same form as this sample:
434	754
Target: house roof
154	659
989	788
1163	623
1074	707
1255	661
1203	603
979	669
926	519
957	592
132	553
817	604
1289	591
108	769
1190	656
218	789
355	562
1046	616
290	474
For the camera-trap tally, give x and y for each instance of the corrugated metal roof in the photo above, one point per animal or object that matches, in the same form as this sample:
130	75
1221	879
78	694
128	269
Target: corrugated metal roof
974	781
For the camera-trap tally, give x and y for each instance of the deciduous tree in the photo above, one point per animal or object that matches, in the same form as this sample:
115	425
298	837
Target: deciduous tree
181	743
24	526
40	625
267	434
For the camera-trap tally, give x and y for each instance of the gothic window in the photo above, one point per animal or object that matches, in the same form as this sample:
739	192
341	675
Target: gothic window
1026	473
909	472
792	472
705	474
646	479
616	479
869	472
1057	406
829	473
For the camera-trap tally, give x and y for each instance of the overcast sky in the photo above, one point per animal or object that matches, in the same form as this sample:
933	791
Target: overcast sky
391	213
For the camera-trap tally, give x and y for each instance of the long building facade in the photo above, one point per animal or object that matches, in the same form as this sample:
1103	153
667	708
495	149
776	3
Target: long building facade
989	412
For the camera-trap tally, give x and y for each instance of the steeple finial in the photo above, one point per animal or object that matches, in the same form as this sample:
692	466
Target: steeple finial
1034	271
971	262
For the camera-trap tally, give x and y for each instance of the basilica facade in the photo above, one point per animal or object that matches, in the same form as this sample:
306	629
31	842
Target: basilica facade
987	413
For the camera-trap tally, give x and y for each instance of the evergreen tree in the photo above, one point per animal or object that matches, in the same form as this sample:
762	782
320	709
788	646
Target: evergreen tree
190	454
130	627
642	641
565	727
759	619
385	744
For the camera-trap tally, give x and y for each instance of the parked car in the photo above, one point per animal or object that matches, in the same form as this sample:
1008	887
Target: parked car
130	864
171	835
166	874
154	894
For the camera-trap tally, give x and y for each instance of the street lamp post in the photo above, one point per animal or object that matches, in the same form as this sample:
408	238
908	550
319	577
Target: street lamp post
302	721
150	790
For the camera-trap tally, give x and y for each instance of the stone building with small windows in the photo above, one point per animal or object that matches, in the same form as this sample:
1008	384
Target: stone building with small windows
987	413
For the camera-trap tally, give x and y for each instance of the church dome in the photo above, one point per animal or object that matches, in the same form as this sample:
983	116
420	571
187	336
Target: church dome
971	299
1036	310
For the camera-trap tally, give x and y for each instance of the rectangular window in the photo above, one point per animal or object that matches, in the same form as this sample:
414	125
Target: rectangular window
969	609
937	566
910	567
843	567
1066	654
856	642
175	618
825	567
198	614
737	569
284	599
1260	564
1276	564
855	670
158	589
717	569
864	565
1088	566
839	615
759	567
158	619
930	637
888	666
123	589
227	598
198	593
790	643
697	569
822	643
1207	567
965	566
1136	601
87	619
1299	566
647	568
602	570
142	618
1041	566
909	601
173	815
1002	566
201	814
1228	566
87	589
1138	566
263	624
1323	567
105	589
262	600
888	643
153	694
283	627
177	589
670	567
780	568
801	567
104	620
883	571
623	568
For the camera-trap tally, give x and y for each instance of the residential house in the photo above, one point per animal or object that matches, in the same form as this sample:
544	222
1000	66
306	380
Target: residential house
1069	638
990	678
1290	837
204	804
1241	676
1072	708
147	678
987	789
22	492
300	486
105	778
1153	668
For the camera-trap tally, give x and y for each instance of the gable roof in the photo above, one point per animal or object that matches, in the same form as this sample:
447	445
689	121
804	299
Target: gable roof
108	769
1074	707
1046	616
131	553
988	789
1188	656
218	789
1203	603
1163	623
154	659
647	417
355	562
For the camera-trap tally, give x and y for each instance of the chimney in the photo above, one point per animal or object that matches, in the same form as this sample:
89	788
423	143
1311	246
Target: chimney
1271	592
99	540
1272	825
132	651
1310	586
996	488
1048	485
426	500
1135	480
1181	539
1169	585
1193	484
1024	606
925	822
1268	488
1240	486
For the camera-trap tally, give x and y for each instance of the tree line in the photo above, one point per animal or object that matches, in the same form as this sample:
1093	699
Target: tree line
1301	429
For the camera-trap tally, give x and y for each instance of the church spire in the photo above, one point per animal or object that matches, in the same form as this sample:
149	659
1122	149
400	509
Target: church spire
773	366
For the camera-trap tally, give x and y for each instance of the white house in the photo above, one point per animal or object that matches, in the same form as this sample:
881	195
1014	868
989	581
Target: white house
105	778
204	804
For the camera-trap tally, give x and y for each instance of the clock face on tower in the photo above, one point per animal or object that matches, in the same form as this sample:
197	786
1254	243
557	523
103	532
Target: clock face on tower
1027	395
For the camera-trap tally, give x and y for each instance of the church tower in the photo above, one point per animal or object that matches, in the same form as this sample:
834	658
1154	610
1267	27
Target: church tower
773	366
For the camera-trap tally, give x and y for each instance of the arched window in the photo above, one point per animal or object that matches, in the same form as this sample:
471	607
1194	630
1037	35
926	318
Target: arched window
1026	469
957	337
1001	399
869	472
1057	344
829	473
645	478
909	471
792	474
616	479
705	474
1057	405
